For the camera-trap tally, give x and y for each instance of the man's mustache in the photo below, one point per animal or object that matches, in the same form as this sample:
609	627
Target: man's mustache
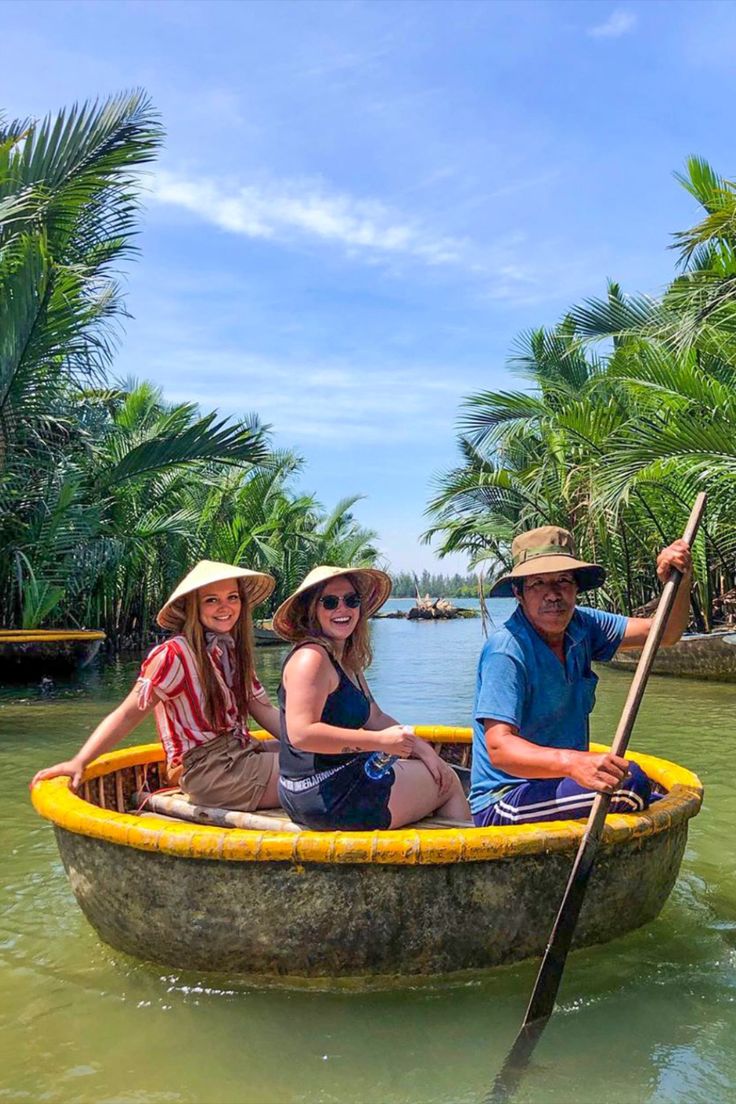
555	607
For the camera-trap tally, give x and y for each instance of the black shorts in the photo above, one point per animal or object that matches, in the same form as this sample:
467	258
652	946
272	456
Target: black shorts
346	801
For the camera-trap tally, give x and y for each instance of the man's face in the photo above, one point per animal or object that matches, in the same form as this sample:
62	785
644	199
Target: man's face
549	601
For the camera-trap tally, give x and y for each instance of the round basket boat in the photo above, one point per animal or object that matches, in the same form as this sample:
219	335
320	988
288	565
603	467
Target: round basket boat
709	656
38	652
299	905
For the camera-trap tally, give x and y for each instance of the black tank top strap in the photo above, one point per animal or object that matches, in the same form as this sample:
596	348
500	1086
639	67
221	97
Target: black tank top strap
347	706
340	670
303	644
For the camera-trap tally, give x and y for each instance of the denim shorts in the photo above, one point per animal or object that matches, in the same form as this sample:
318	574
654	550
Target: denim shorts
346	800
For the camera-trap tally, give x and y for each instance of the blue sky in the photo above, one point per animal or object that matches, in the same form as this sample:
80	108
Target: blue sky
361	205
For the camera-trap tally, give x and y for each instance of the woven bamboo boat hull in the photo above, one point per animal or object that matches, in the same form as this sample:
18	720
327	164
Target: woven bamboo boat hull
35	653
345	906
710	656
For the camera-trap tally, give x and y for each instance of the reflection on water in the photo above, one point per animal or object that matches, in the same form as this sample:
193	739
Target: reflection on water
649	1017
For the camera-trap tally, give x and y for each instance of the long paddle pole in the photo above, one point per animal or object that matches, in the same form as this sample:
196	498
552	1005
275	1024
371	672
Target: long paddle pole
542	1000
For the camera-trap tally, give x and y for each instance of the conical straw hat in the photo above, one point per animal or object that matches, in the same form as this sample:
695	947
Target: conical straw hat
374	585
257	587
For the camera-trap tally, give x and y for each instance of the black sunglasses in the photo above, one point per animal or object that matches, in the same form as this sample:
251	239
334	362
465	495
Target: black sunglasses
332	601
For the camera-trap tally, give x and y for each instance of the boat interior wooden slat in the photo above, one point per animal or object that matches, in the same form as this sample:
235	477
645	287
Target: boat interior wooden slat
119	799
176	805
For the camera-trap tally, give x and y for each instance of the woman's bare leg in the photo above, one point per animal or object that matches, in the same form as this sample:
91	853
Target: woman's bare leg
415	794
269	799
456	803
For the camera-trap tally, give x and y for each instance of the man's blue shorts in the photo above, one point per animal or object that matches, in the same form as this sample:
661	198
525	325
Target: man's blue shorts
563	799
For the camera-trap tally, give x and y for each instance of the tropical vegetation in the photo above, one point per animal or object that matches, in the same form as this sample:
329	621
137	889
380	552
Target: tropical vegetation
406	584
630	410
108	493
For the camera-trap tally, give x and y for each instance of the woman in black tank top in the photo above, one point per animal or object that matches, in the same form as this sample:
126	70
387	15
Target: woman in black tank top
330	724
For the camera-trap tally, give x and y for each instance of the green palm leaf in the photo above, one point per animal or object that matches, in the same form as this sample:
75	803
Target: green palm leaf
206	439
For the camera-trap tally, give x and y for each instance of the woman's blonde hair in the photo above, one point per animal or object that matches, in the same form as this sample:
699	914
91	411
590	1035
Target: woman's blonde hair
357	654
243	670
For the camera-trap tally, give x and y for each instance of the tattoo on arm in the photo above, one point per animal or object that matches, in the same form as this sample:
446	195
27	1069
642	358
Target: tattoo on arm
348	748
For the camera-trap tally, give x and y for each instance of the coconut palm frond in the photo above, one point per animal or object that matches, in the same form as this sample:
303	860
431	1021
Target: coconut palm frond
206	439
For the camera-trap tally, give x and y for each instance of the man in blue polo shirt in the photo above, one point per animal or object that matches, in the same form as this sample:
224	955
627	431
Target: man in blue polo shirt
536	687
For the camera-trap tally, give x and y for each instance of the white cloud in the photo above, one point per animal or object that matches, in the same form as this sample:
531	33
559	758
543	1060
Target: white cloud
619	22
289	210
290	213
304	402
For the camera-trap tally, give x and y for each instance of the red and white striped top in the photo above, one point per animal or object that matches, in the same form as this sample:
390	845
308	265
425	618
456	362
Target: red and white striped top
171	670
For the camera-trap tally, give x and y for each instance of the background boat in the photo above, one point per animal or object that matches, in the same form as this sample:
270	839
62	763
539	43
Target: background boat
710	656
37	653
263	634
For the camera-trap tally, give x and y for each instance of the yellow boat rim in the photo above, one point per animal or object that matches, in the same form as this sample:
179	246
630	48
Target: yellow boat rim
55	801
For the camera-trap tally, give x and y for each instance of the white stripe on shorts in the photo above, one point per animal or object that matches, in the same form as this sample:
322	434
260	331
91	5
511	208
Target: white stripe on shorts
564	804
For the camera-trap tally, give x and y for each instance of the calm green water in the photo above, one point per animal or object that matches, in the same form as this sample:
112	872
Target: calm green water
650	1017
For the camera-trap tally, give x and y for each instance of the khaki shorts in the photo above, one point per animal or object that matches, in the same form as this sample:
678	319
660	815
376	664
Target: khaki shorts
226	775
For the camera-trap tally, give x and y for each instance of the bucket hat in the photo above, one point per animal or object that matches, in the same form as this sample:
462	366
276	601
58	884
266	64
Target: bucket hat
544	550
374	586
257	587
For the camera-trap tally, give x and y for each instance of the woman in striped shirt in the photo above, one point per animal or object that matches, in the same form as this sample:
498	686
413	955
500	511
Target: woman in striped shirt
201	686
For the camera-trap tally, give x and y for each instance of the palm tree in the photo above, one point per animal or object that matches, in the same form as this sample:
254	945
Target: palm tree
97	530
76	463
67	215
68	210
698	309
260	521
614	441
606	450
532	458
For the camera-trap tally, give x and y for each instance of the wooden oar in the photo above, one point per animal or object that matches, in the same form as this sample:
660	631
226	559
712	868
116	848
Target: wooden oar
542	1001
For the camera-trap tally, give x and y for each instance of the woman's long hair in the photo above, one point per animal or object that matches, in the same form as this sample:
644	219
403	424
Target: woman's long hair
357	654
243	671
